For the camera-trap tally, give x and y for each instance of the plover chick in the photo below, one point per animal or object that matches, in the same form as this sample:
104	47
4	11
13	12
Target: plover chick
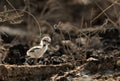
38	51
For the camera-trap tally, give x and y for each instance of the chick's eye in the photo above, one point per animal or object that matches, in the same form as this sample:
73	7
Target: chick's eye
44	45
45	40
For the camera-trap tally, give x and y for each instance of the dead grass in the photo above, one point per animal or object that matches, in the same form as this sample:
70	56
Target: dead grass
80	30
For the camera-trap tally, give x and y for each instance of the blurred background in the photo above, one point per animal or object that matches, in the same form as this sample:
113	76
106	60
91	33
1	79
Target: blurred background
79	13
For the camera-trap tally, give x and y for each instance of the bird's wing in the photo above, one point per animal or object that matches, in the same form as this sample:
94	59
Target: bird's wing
33	49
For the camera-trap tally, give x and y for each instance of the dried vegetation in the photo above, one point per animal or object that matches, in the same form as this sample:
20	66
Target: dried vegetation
85	40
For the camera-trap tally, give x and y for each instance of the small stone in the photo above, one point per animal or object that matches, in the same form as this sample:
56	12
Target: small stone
118	63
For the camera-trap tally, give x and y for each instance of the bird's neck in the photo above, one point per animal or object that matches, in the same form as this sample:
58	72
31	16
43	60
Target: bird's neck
41	43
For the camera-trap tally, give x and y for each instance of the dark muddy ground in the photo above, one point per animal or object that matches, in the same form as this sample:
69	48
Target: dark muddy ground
85	40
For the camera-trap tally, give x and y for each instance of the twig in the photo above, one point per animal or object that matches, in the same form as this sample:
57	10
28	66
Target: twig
78	69
104	11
